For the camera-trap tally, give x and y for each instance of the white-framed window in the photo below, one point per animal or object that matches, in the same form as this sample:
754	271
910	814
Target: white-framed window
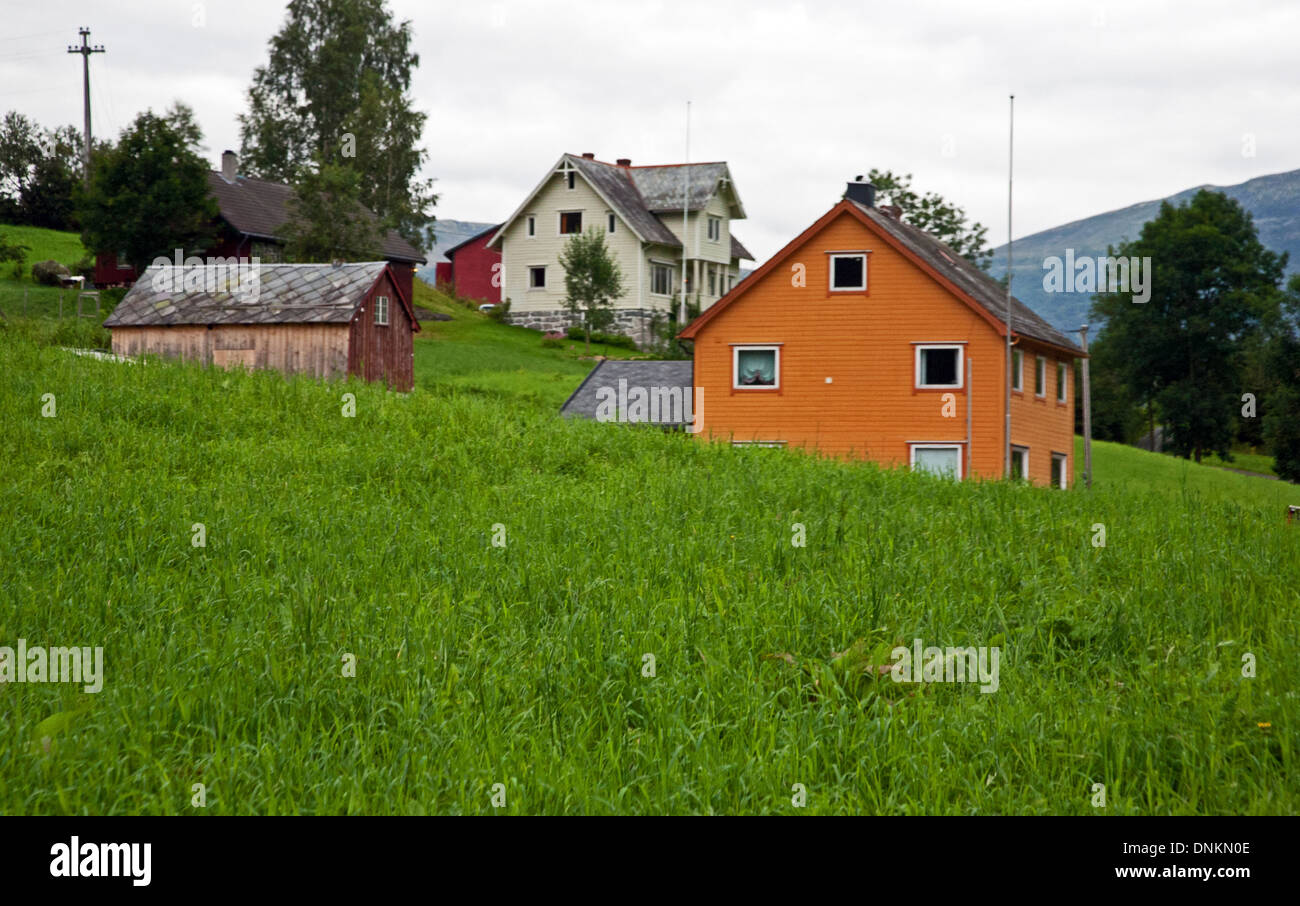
532	226
848	272
1040	376
759	443
570	222
713	282
613	222
537	276
1017	370
572	178
715	229
661	279
381	310
937	459
1020	463
1060	382
755	367
1060	470
939	365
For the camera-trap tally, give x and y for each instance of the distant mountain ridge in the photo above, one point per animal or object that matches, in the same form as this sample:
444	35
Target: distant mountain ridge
441	235
1273	200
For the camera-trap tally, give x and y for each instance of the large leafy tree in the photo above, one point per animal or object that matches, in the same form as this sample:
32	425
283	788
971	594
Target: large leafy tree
148	194
334	91
592	280
39	172
1280	396
932	213
327	220
1212	284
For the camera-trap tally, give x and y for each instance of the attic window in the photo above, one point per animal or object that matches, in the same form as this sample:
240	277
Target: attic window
715	229
572	179
612	222
570	222
381	311
532	226
848	273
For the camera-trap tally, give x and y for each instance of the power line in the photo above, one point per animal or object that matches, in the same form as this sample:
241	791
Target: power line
86	50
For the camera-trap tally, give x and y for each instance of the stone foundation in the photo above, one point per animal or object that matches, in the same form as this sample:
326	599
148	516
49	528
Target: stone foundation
631	322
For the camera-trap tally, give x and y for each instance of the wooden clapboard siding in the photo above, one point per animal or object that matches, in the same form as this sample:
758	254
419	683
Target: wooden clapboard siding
320	350
865	344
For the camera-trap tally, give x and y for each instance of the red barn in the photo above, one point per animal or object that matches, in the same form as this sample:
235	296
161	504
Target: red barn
251	213
475	268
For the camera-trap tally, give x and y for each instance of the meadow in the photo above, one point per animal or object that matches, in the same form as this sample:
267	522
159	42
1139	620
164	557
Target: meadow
496	578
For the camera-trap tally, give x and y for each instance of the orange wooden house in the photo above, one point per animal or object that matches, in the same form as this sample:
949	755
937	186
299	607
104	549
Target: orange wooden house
868	338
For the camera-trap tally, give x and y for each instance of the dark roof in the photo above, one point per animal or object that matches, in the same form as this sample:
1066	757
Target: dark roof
285	294
640	194
260	208
647	374
447	253
970	278
977	287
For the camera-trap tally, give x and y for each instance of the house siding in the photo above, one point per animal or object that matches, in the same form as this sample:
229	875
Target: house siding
319	350
378	352
865	343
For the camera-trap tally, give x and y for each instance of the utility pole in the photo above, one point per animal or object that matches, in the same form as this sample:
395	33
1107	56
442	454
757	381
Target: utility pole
1087	410
85	50
1011	150
686	218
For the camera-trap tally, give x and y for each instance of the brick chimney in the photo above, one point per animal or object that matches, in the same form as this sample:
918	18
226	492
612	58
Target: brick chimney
624	161
589	155
861	191
229	165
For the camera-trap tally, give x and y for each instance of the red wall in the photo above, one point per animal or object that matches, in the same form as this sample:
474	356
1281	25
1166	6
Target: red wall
472	270
378	352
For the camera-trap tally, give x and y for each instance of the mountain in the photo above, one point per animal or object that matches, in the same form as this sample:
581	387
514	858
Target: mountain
1273	200
442	235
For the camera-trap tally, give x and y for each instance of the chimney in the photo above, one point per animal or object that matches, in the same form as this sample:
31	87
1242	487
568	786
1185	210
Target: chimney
624	161
861	191
589	155
229	165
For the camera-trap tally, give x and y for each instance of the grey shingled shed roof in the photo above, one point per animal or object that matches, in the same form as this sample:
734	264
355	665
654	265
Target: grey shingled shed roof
637	374
989	293
286	294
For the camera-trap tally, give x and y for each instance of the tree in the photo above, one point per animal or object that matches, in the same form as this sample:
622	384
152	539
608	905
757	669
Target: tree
931	213
49	198
334	91
328	221
592	280
1280	403
1212	284
148	194
20	149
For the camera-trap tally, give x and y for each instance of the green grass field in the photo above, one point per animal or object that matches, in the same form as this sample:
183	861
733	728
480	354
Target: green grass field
525	664
19	296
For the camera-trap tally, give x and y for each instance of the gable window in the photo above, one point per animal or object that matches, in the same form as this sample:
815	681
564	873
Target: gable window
1017	370
937	459
661	279
1020	463
715	229
612	222
532	226
848	272
1060	382
1040	376
572	177
570	222
756	367
381	310
1059	471
537	277
938	366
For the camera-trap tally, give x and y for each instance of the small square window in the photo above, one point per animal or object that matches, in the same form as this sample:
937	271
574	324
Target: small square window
381	310
570	222
848	272
1020	463
1059	471
1040	376
1017	370
537	277
532	226
938	366
1060	382
756	366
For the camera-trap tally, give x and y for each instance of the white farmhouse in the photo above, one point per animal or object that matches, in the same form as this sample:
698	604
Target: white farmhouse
644	212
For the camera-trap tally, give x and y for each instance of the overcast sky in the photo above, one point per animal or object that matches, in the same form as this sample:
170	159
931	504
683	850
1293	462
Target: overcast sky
1116	103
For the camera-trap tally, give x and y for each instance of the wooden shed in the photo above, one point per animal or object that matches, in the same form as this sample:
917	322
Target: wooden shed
326	320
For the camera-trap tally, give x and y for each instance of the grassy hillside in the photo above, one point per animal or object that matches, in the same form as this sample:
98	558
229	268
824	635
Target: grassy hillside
19	296
526	664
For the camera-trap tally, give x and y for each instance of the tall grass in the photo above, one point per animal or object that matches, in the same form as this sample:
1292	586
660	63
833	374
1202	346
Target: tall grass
523	665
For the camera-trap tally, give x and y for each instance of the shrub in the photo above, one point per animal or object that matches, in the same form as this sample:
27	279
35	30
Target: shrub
48	273
499	313
85	268
16	252
552	343
608	339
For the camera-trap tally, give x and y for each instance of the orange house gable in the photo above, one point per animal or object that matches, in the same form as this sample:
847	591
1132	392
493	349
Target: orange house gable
905	366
